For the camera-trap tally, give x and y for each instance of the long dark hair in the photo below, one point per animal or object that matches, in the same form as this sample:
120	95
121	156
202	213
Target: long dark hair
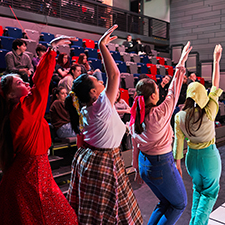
56	91
80	61
60	60
145	87
6	106
81	87
190	115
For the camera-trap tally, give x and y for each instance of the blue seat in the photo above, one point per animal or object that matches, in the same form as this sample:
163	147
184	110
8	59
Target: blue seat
91	53
143	67
2	58
47	36
144	59
104	77
6	42
115	55
95	63
45	43
77	43
122	66
13	32
76	50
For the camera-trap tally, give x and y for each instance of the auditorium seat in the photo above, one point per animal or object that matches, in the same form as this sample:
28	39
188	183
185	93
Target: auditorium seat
76	50
88	43
116	55
46	36
125	56
135	57
45	43
1	31
142	68
6	42
161	60
32	34
144	59
151	76
64	48
95	63
2	58
14	32
124	95
169	70
91	53
79	42
152	68
31	45
121	48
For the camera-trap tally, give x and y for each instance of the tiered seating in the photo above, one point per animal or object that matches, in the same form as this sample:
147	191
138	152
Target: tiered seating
91	53
31	45
76	50
88	43
32	35
2	58
95	63
116	55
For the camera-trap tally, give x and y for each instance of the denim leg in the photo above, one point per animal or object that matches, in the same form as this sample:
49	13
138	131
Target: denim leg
98	75
160	174
65	131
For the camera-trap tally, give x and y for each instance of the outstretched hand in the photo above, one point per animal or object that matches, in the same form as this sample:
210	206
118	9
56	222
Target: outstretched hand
62	40
217	53
105	39
184	55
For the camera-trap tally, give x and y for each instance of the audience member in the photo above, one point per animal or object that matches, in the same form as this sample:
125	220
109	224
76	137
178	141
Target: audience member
183	91
136	46
123	109
63	65
86	68
59	116
67	81
163	88
40	50
192	78
17	61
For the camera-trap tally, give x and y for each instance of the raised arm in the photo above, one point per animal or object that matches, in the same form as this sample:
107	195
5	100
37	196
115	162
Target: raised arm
111	68
216	66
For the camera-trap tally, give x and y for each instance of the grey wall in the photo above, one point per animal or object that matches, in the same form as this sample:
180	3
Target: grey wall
200	21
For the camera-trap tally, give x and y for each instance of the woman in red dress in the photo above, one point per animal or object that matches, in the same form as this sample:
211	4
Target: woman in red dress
28	192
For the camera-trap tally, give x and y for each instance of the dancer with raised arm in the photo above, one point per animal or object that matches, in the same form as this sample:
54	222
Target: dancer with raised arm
152	140
197	122
28	192
100	191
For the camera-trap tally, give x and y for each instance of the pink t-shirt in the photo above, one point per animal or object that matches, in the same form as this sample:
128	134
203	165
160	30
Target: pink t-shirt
156	139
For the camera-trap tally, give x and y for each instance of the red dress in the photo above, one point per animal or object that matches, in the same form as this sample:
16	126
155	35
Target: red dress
28	192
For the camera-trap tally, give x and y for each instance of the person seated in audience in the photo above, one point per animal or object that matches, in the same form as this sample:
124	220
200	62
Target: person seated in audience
183	91
67	81
17	61
192	78
59	116
121	106
86	68
63	65
40	50
123	109
163	88
136	46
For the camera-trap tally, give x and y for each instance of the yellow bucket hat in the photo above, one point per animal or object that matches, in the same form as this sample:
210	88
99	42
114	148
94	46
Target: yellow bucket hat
198	93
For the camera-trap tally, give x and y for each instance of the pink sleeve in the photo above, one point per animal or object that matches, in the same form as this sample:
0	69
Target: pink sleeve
135	153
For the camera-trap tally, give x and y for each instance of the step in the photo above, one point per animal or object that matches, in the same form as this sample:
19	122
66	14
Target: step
64	188
62	174
55	161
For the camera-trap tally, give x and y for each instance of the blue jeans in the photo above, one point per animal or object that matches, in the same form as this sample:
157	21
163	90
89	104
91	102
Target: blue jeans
204	167
161	175
65	131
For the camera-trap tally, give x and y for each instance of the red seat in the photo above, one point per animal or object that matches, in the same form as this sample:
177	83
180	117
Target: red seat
161	60
75	58
152	68
1	31
153	77
88	43
124	95
201	80
169	70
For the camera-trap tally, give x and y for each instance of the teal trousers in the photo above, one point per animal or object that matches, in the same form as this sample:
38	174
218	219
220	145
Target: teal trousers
204	167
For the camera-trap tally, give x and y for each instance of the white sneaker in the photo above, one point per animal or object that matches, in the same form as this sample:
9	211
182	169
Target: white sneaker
141	53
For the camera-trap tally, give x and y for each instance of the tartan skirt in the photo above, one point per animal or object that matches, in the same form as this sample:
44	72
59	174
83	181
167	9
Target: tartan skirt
100	191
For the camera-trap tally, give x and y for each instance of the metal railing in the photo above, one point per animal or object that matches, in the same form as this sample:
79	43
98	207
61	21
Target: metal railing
94	13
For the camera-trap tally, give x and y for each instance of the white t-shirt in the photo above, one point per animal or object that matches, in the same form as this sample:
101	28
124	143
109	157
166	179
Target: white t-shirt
103	127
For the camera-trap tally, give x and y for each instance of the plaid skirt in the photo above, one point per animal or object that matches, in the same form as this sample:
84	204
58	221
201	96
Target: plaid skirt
100	191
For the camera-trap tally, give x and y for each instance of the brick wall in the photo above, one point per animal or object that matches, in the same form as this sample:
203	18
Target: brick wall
200	21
